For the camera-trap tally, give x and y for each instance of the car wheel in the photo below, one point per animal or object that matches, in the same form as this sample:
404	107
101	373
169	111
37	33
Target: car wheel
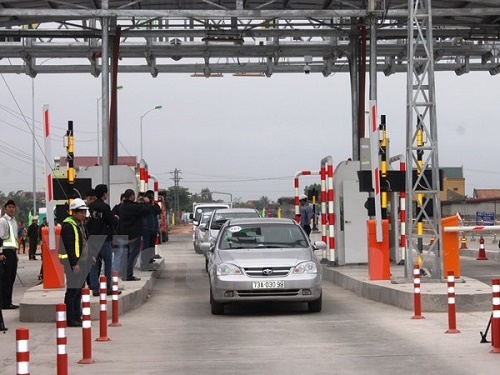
217	308
316	305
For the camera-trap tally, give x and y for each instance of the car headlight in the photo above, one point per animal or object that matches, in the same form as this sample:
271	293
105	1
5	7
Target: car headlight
306	267
226	269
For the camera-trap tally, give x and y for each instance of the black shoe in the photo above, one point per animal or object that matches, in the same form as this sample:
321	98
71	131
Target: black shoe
74	323
10	307
133	278
110	292
95	293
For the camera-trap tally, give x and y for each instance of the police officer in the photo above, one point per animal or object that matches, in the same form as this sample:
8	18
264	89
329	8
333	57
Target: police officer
74	256
8	254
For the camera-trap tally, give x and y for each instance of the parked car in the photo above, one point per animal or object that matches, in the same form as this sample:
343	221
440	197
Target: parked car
217	220
264	259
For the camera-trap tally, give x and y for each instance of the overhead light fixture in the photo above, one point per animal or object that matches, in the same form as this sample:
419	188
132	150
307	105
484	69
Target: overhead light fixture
243	74
494	71
223	40
210	75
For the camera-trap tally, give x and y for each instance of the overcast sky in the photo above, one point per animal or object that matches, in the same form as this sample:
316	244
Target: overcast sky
241	135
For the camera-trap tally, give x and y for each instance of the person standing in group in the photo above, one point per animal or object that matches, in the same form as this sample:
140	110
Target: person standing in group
33	237
100	226
131	214
75	257
149	233
119	241
21	237
8	253
305	214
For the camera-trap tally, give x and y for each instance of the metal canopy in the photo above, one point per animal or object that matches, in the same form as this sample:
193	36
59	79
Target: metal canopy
260	38
210	38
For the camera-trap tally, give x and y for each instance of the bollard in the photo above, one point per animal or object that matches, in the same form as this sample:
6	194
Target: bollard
103	310
416	296
114	304
495	317
463	244
481	255
61	339
22	351
86	328
452	318
494	241
157	252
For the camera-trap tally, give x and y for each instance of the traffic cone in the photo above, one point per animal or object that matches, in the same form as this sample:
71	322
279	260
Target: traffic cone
463	244
481	255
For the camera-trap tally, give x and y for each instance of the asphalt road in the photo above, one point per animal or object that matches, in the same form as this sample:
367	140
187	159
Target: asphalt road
174	333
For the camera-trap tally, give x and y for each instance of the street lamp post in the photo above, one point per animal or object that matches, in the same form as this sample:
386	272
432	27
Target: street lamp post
156	107
98	142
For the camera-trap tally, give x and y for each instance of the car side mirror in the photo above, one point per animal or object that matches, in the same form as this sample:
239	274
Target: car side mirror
207	247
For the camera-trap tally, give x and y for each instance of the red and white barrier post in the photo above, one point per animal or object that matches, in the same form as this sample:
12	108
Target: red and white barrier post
22	351
61	339
416	295
103	310
481	255
495	317
86	328
452	318
114	303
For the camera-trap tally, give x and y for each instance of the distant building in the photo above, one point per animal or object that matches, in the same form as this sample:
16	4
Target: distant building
453	188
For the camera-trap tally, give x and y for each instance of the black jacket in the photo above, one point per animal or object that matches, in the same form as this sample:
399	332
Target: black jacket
101	220
131	214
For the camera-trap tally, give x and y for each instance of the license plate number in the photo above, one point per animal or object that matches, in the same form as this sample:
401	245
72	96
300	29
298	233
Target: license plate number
275	284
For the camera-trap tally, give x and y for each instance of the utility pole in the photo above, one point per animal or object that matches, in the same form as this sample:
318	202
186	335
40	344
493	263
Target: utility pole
176	179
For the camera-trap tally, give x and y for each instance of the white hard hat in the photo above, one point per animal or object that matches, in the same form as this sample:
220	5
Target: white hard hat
302	197
78	204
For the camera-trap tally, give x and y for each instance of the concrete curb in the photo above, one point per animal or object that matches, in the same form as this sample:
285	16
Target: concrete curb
39	305
471	295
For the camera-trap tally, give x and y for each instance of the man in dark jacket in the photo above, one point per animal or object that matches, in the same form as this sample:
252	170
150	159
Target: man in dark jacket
33	237
131	214
150	228
100	225
74	256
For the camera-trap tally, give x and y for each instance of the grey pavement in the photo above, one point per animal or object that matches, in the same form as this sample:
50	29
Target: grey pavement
473	288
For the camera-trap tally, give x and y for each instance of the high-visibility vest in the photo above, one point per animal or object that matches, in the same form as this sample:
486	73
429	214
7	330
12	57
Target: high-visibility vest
73	223
11	241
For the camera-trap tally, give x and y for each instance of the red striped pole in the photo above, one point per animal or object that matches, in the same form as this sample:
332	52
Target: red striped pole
22	351
452	318
103	310
495	317
86	328
114	303
481	255
416	296
402	205
61	339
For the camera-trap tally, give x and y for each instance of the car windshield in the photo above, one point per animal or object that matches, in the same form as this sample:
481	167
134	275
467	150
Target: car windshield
219	219
262	236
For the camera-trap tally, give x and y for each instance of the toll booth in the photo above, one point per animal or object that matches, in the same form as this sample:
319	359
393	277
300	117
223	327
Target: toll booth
350	229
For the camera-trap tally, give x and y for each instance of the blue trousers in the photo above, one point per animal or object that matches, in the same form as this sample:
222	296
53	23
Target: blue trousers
106	256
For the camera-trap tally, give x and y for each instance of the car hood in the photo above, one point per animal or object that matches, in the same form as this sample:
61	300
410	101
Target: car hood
265	257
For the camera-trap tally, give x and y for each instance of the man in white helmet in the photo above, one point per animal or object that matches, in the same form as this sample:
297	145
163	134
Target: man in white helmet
305	214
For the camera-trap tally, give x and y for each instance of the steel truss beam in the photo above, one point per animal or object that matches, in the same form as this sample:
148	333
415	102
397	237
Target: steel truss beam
422	201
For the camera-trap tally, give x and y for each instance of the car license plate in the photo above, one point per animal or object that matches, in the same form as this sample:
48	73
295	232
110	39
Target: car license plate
275	284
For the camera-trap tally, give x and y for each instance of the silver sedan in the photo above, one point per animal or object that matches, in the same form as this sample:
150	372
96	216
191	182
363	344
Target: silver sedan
264	259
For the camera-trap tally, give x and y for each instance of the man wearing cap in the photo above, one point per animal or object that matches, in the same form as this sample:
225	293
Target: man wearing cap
100	225
74	256
33	238
305	214
8	254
